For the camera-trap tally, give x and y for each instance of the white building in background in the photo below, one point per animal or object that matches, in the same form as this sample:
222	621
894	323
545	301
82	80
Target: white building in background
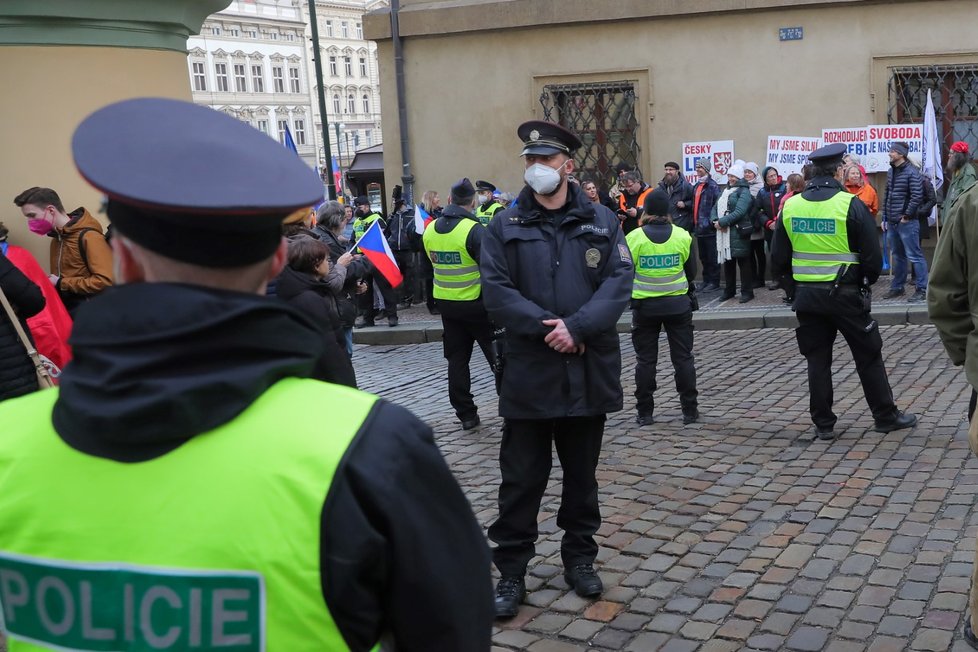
250	62
350	75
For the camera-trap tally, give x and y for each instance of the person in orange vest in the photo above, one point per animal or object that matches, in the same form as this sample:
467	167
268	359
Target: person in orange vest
631	201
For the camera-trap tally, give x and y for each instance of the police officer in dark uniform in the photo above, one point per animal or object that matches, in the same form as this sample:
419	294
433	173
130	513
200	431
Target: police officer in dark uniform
453	243
307	515
487	204
556	273
826	242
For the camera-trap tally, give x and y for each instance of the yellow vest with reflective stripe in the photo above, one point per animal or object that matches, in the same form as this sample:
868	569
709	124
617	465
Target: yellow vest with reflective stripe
659	267
212	546
819	237
361	224
456	273
485	215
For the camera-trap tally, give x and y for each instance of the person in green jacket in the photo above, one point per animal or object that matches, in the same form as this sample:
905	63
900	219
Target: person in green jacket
951	300
962	176
733	248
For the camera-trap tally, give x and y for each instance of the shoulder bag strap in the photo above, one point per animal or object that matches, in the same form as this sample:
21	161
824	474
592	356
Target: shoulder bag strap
43	378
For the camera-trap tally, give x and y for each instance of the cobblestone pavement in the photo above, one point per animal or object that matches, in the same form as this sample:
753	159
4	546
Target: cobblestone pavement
742	532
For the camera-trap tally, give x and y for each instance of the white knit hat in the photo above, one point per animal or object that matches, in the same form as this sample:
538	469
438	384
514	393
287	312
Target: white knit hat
736	170
752	166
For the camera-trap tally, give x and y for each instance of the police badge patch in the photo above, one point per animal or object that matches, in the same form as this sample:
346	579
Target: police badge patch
592	257
624	253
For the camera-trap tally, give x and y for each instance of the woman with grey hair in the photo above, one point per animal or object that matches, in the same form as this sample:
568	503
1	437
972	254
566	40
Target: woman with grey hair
346	269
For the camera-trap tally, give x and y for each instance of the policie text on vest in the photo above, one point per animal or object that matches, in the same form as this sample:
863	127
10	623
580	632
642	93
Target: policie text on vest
95	607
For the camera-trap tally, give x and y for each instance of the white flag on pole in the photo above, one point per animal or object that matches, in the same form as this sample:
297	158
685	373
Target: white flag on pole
931	159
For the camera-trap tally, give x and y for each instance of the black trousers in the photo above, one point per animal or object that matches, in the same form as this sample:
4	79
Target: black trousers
406	263
758	260
427	273
730	276
645	339
366	300
816	335
707	245
457	342
525	462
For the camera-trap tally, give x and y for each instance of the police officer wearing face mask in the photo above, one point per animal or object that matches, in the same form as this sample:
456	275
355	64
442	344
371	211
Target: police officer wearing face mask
556	273
488	206
826	240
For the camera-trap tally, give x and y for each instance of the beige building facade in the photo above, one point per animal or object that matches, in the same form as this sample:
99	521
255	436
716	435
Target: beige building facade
638	78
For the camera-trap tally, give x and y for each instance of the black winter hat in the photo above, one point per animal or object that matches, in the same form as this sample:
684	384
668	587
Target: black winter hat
657	203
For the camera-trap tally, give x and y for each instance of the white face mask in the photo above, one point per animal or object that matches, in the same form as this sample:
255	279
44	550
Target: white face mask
542	178
483	198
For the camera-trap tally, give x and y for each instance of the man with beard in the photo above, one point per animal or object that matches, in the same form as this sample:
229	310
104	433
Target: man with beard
680	195
556	273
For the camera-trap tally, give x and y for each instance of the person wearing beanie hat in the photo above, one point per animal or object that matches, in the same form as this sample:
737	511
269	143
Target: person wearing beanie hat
663	297
758	257
962	173
905	195
453	244
730	215
706	192
187	381
826	242
680	194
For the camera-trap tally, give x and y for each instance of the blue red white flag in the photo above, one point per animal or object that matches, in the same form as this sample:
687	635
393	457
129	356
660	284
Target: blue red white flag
421	219
374	246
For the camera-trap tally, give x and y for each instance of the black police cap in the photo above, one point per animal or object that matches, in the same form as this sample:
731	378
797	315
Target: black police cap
191	183
546	138
361	201
485	185
828	153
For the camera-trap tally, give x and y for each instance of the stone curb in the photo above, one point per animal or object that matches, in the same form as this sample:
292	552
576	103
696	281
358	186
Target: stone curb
421	332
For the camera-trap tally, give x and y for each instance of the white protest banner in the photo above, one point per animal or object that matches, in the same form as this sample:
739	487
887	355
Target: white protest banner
878	141
854	138
720	153
790	153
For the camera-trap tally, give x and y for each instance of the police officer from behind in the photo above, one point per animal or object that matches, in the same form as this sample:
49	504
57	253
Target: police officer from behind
453	243
662	297
487	204
556	273
213	511
827	243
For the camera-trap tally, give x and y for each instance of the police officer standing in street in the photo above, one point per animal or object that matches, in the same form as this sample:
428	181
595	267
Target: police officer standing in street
190	461
663	296
826	241
556	273
453	243
364	216
487	204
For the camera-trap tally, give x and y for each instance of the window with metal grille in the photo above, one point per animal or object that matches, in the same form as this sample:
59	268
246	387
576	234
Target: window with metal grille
602	114
954	89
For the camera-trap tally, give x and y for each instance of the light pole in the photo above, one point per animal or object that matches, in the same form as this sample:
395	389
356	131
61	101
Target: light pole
339	161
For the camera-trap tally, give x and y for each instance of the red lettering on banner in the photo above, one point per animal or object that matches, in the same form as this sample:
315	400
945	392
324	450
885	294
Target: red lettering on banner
697	149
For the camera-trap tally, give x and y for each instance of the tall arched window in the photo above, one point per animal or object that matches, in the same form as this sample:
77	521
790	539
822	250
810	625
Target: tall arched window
366	103
336	103
351	105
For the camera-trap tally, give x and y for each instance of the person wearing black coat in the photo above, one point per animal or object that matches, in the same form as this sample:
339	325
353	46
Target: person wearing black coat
331	219
766	205
680	194
17	373
557	275
303	285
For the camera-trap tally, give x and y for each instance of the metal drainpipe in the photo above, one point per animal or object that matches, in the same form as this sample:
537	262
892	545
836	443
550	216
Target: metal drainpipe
407	179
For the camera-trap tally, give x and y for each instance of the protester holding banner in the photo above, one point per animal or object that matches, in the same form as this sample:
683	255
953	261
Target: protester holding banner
856	184
767	203
705	195
732	215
